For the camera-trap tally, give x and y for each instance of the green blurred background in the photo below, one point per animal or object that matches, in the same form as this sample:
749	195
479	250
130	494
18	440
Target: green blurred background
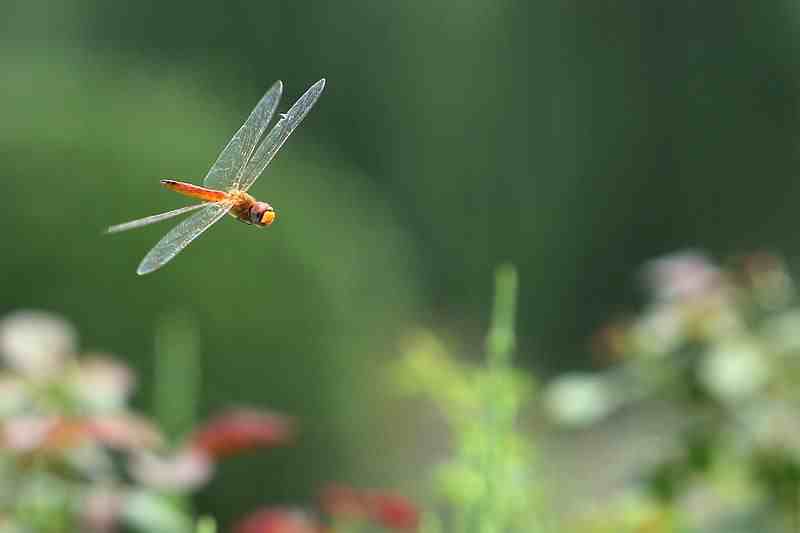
575	139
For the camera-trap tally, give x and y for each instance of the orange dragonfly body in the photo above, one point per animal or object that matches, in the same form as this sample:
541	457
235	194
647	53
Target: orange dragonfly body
244	207
224	189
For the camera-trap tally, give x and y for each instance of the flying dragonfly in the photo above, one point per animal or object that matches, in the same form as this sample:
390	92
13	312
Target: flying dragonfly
225	187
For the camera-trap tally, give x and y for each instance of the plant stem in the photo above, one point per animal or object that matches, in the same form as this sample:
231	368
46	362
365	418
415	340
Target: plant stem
206	525
497	417
500	341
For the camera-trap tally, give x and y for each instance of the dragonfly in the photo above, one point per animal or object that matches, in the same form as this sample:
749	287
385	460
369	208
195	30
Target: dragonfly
224	189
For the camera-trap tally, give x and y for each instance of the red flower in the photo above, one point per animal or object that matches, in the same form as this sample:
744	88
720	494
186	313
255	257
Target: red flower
278	520
241	430
386	509
392	511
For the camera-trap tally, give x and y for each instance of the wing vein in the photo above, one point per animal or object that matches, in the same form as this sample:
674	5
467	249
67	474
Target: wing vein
234	157
278	135
180	236
152	219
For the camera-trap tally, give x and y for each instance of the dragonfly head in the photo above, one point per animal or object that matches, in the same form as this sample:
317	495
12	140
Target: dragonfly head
262	214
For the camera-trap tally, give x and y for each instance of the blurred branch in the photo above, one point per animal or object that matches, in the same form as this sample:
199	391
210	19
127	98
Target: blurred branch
178	374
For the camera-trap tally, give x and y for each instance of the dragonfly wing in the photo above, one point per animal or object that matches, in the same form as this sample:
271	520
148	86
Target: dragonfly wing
230	163
152	219
275	138
181	235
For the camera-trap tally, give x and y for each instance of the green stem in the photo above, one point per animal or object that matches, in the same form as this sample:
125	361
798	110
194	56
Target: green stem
206	525
499	422
500	341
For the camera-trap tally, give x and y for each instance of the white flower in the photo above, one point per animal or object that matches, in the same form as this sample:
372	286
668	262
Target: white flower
187	470
578	399
123	431
101	383
682	276
660	330
14	395
35	343
101	508
734	370
149	511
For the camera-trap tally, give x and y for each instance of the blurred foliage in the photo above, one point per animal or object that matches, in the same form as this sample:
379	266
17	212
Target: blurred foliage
63	423
710	359
490	484
206	525
717	349
75	457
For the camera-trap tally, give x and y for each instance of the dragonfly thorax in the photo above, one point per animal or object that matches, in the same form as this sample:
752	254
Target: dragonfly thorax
248	210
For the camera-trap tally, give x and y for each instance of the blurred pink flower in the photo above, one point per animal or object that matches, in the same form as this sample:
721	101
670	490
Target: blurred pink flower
55	433
24	434
278	520
241	430
36	344
682	276
188	469
101	509
122	431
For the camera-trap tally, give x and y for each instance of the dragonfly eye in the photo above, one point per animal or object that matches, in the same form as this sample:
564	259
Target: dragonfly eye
261	213
255	214
268	217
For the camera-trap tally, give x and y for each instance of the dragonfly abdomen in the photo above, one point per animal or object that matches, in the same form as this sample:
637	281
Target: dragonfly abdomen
194	191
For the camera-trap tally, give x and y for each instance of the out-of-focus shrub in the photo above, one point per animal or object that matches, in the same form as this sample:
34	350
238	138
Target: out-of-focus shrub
75	457
717	348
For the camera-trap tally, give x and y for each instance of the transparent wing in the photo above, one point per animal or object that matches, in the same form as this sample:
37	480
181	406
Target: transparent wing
275	139
152	219
225	171
180	236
